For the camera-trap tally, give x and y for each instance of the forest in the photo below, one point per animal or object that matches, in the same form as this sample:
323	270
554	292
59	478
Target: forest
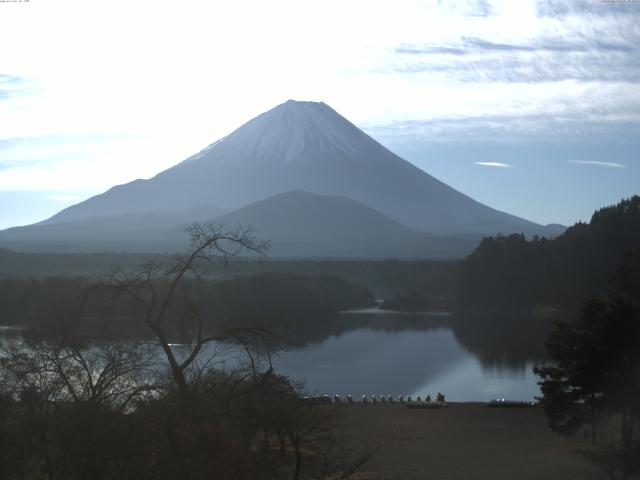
513	272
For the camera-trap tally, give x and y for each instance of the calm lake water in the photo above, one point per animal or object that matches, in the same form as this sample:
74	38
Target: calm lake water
372	352
401	354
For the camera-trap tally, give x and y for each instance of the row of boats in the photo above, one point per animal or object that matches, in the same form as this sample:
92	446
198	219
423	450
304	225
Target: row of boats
409	401
326	399
502	403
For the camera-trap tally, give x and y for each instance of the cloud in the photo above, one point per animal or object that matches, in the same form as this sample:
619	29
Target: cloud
483	8
550	44
409	49
570	68
14	88
544	43
578	121
10	79
571	56
480	44
565	8
472	8
582	41
87	163
7	164
598	164
11	86
494	164
527	69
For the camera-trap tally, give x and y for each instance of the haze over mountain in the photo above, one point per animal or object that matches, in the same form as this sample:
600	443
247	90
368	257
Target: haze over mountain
299	223
302	146
296	146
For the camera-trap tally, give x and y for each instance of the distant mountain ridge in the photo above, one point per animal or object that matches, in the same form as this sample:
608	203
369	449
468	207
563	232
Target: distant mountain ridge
297	224
294	147
303	146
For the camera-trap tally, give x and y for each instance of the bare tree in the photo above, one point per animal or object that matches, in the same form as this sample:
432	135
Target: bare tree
66	400
158	288
94	409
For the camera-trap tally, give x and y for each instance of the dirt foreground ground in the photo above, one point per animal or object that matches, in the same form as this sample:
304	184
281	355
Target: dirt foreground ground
465	441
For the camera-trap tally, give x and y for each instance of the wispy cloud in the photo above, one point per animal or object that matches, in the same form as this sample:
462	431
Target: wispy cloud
549	45
598	164
474	45
565	68
564	8
555	126
7	164
493	164
408	49
570	57
12	79
11	86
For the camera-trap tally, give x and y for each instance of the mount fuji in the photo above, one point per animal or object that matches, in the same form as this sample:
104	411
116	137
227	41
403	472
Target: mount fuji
296	146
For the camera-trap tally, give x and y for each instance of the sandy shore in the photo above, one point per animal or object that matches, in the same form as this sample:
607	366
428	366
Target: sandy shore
466	441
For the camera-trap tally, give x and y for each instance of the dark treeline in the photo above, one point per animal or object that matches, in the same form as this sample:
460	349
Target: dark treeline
77	405
592	385
433	278
407	301
288	293
37	301
272	296
597	357
23	264
270	300
511	272
511	290
382	277
299	309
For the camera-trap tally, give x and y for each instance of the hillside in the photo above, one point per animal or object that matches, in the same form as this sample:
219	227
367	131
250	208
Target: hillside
302	146
304	224
297	224
511	271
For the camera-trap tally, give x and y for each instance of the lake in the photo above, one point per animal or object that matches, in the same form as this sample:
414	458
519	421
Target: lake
389	353
373	352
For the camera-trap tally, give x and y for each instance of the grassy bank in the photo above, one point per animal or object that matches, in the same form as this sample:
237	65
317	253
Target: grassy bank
466	441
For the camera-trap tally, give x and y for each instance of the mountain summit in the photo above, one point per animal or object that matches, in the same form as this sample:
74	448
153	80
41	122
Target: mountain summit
302	146
303	176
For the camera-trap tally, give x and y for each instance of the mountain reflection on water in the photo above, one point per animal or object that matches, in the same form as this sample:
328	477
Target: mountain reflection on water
418	354
377	352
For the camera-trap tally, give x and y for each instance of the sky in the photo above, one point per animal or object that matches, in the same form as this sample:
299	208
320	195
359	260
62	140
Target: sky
531	107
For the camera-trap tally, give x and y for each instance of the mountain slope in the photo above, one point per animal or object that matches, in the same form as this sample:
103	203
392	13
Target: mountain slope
303	146
130	232
297	224
302	224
